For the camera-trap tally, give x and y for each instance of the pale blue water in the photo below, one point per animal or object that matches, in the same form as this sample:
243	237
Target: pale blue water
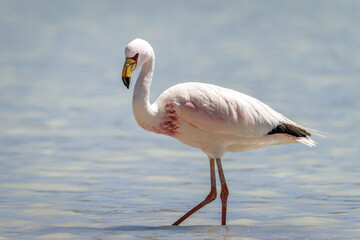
75	165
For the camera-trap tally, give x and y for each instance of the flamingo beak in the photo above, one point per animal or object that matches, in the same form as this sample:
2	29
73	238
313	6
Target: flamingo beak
129	66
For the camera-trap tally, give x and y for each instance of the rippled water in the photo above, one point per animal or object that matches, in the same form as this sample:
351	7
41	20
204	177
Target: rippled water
75	165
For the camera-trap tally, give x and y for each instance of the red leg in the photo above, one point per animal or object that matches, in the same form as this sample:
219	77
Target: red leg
211	197
224	191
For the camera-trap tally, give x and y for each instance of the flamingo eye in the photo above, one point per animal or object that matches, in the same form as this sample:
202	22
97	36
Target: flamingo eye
135	57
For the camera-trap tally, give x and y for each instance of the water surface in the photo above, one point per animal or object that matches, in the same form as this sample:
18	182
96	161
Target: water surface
75	165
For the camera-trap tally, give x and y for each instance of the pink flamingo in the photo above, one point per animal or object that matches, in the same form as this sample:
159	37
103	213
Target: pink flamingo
208	117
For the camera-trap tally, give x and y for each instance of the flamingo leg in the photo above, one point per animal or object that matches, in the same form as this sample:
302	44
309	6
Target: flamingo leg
210	197
224	191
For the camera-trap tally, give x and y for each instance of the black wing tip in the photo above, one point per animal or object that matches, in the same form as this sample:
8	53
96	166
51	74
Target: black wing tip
289	129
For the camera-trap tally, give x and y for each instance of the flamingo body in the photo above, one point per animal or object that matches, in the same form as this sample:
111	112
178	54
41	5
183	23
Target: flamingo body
217	120
208	117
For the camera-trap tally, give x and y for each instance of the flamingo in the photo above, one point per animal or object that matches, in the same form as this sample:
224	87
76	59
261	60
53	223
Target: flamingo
208	117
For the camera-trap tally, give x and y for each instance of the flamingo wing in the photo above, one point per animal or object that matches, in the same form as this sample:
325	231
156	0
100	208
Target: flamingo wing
224	111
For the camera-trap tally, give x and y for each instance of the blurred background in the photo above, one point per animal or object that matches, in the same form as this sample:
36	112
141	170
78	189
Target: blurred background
74	163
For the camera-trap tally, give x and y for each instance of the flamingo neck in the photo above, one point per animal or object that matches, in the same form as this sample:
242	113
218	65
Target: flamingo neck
144	112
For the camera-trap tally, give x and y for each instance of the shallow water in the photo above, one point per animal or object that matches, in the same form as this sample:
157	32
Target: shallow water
75	165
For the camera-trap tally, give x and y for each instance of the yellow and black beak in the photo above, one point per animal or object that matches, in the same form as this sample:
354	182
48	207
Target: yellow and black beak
129	66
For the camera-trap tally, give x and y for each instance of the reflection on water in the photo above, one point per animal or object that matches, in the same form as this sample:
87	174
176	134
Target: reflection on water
75	165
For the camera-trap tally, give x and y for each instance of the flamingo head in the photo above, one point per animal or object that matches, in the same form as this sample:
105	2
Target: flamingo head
137	52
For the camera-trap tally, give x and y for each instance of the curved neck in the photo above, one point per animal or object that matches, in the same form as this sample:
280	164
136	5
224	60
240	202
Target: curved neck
142	109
